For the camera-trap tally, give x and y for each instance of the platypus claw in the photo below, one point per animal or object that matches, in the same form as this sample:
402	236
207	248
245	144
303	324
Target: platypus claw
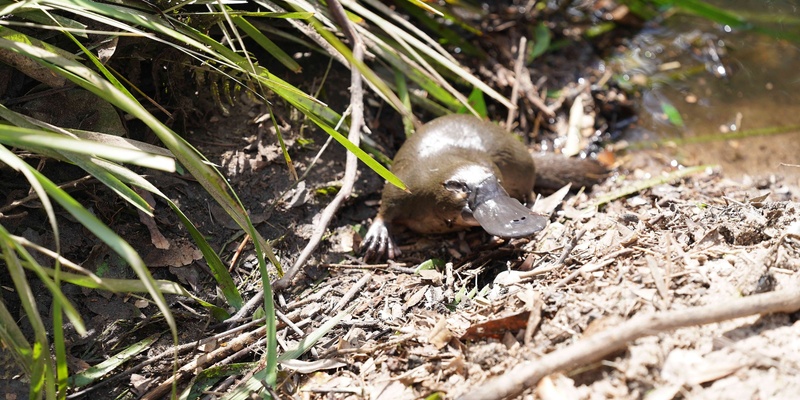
378	244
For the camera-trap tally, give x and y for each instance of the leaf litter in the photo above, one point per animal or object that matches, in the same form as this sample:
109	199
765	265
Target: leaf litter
489	305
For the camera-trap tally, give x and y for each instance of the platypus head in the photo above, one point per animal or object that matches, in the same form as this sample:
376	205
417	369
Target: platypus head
486	203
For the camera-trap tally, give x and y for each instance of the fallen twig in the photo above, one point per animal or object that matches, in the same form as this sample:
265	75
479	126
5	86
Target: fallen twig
351	163
523	42
591	267
595	347
202	362
354	291
169	352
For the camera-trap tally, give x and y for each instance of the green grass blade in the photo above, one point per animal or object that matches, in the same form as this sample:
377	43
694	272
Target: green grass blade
89	280
96	372
255	385
110	173
410	27
60	303
54	289
266	44
10	159
405	97
432	85
36	139
477	104
206	175
109	237
218	268
219	271
42	378
672	114
369	75
363	156
448	35
264	14
206	379
204	43
10	34
60	347
14	340
307	342
40	17
707	11
413	47
539	44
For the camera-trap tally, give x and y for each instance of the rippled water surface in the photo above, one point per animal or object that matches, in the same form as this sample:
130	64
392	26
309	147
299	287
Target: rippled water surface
736	82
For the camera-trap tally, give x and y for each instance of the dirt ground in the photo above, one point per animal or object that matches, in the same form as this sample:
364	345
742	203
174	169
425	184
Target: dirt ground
489	305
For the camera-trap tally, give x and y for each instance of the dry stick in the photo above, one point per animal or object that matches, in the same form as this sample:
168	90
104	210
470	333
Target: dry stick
558	263
34	196
523	42
219	390
533	96
534	319
598	346
202	362
309	299
180	349
591	267
351	165
291	325
256	300
570	246
238	252
356	289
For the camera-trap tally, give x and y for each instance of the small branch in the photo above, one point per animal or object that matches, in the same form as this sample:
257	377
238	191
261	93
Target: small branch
591	267
351	164
523	43
354	291
595	347
168	352
204	361
572	243
33	196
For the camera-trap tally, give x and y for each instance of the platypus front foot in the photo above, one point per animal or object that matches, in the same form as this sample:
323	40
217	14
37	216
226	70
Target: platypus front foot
378	243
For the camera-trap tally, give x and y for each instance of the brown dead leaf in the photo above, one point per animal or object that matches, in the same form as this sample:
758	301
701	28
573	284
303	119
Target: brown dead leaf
180	254
496	328
156	237
140	384
440	335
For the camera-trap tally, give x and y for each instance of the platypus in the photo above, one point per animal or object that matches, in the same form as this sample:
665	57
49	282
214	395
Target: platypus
461	172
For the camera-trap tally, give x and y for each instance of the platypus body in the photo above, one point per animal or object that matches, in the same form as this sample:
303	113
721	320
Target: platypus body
460	172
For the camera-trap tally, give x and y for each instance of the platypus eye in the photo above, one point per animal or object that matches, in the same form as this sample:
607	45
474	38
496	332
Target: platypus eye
456	186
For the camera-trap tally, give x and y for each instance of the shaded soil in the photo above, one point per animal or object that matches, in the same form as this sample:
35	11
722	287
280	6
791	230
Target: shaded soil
700	240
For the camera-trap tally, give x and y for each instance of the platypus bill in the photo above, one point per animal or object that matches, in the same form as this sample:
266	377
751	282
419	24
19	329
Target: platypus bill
461	172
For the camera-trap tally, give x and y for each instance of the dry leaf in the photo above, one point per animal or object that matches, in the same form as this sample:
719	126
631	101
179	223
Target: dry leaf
496	328
440	335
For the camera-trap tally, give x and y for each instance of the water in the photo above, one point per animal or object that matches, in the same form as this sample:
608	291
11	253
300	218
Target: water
738	82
